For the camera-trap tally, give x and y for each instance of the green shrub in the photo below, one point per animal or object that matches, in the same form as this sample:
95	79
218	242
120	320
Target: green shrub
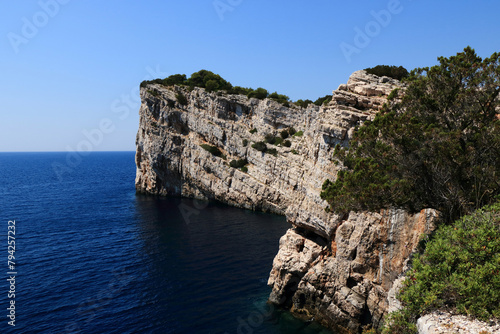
291	131
170	103
438	147
259	93
299	134
238	163
176	79
212	149
279	97
181	99
240	90
153	92
287	143
284	134
271	139
303	103
272	151
245	142
294	151
254	130
203	77
459	270
323	100
211	86
244	169
394	72
260	146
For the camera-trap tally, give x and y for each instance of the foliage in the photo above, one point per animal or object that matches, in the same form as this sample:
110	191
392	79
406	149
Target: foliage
323	100
291	131
460	269
394	72
270	139
212	149
272	151
176	79
259	93
211	86
254	130
287	143
206	78
153	92
438	147
181	99
279	97
244	169
284	134
245	142
298	134
260	146
215	83
303	103
294	151
240	90
238	163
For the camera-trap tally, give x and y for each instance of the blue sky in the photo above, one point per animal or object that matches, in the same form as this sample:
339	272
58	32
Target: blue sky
70	69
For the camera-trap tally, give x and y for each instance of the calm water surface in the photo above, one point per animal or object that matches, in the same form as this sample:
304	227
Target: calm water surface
94	257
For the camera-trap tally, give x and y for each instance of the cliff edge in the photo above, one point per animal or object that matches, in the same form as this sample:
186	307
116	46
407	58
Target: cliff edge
335	270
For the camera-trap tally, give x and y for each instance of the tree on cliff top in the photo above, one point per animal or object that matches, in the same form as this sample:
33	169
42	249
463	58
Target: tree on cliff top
437	147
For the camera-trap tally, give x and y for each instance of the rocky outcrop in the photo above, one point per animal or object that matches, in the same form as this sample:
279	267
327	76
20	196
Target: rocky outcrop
443	322
334	269
345	284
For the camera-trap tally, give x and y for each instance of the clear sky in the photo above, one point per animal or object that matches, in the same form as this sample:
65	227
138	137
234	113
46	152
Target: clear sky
70	69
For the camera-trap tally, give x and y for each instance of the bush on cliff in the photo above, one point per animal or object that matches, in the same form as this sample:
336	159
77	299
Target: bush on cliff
238	163
176	79
394	72
459	270
209	80
438	147
303	103
181	99
212	149
323	100
260	93
260	146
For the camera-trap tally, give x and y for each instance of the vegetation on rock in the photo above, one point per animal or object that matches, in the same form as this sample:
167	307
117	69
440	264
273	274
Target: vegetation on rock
181	98
238	163
215	83
438	147
260	146
212	149
459	270
395	72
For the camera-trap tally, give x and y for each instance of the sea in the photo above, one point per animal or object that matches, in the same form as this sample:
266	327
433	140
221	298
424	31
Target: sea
89	255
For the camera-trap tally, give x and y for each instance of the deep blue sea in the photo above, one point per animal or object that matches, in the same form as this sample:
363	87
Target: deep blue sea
91	256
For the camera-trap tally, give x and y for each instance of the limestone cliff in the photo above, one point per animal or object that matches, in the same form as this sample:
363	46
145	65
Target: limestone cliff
337	270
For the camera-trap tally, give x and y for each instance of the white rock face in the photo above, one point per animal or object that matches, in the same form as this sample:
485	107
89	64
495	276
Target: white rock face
444	322
334	269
